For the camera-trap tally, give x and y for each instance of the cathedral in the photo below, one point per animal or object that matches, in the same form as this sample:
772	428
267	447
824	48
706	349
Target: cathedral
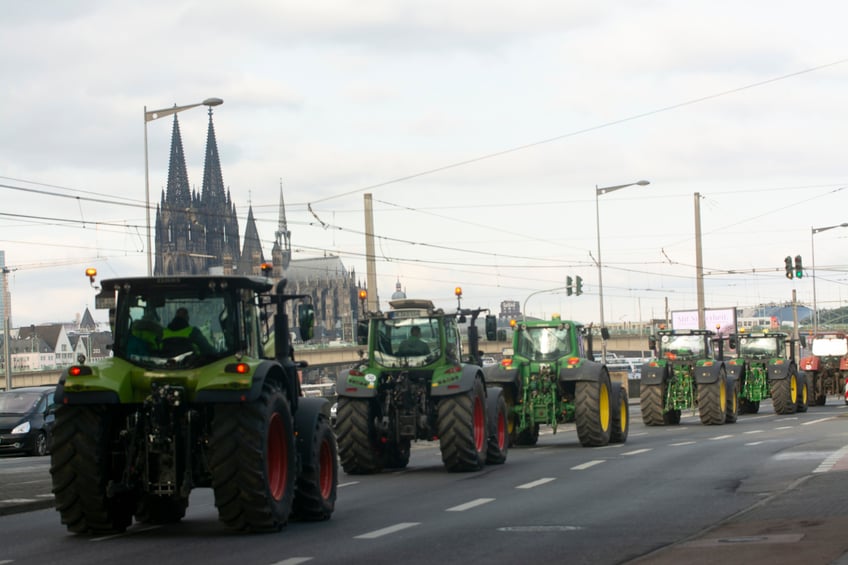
199	234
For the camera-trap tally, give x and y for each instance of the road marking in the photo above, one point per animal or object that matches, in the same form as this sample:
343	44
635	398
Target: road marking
469	505
716	438
754	432
682	443
637	452
816	421
386	531
586	465
754	443
784	428
340	485
127	533
535	484
831	460
293	561
16	500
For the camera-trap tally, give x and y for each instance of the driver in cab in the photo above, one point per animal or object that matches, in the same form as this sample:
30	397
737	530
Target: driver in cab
414	345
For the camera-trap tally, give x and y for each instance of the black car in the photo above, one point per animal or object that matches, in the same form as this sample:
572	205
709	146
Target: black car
26	419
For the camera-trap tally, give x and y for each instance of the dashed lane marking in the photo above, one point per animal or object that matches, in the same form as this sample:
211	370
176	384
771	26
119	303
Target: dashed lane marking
682	443
752	443
637	451
717	438
754	432
534	484
587	464
293	561
820	420
389	530
470	504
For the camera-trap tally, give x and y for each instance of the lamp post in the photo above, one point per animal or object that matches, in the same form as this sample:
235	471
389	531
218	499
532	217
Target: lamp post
598	193
813	232
149	116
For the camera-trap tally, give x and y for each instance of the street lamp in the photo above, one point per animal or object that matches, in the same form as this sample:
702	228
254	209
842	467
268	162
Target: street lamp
599	192
149	116
814	231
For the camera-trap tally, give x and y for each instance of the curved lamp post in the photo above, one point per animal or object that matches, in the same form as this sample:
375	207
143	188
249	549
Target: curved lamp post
814	231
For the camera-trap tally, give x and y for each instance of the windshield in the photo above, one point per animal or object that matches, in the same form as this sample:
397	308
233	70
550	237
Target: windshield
543	344
682	346
830	347
759	347
178	329
18	402
407	342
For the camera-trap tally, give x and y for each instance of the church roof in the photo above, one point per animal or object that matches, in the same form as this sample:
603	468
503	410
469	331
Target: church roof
251	255
303	270
87	323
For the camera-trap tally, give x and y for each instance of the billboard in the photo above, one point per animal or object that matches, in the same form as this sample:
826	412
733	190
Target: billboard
722	318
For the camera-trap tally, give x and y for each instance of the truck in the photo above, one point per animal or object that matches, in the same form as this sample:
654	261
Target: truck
428	387
214	404
764	370
549	377
687	373
827	365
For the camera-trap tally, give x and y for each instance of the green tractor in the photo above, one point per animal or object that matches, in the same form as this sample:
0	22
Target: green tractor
194	403
686	374
764	371
549	378
417	382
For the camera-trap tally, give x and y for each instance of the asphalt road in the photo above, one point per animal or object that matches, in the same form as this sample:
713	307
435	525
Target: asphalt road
764	490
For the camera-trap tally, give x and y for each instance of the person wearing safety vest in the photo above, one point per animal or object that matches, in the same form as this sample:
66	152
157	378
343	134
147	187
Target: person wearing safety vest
181	328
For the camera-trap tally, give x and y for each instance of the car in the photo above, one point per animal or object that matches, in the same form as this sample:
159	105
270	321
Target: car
26	419
488	360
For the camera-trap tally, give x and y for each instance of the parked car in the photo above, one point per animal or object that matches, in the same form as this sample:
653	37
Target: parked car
26	419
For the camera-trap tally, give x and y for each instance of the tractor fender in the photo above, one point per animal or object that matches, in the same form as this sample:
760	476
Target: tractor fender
498	374
470	373
365	387
266	370
735	372
708	374
309	410
779	372
585	371
654	374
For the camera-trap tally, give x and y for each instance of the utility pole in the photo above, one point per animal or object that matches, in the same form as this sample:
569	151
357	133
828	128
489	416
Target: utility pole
7	360
699	263
373	301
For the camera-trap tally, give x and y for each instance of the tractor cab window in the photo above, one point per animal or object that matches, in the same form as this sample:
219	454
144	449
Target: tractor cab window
407	342
543	344
683	346
759	347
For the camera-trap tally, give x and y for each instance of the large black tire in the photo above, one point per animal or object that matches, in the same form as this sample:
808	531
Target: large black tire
359	451
732	408
395	454
593	411
463	429
82	465
784	394
498	442
39	445
252	460
748	406
527	436
803	393
156	509
620	414
651	400
712	401
315	490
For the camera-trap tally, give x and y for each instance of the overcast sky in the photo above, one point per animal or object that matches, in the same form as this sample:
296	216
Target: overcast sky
480	128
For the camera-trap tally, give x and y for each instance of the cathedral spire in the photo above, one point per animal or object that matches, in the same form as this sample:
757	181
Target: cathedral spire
220	234
281	253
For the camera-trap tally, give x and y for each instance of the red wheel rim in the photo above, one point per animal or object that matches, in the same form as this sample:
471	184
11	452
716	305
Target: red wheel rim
479	425
278	449
325	470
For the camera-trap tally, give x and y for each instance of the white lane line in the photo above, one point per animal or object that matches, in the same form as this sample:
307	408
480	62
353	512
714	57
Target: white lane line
682	443
587	464
535	484
754	443
716	438
470	504
293	561
754	432
389	530
638	451
351	483
820	420
785	428
831	460
127	533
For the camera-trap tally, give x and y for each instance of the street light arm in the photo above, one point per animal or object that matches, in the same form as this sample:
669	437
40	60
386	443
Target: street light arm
150	115
605	189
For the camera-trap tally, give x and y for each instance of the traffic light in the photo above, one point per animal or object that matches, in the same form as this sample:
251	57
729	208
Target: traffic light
568	283
578	286
788	261
799	268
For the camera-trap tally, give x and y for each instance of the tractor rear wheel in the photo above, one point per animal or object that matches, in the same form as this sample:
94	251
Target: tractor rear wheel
712	400
732	408
620	414
82	465
593	412
498	442
359	451
803	394
784	394
252	460
315	490
463	429
527	436
651	399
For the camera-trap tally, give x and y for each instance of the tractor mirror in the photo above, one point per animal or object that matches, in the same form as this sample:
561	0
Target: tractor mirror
491	327
306	321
